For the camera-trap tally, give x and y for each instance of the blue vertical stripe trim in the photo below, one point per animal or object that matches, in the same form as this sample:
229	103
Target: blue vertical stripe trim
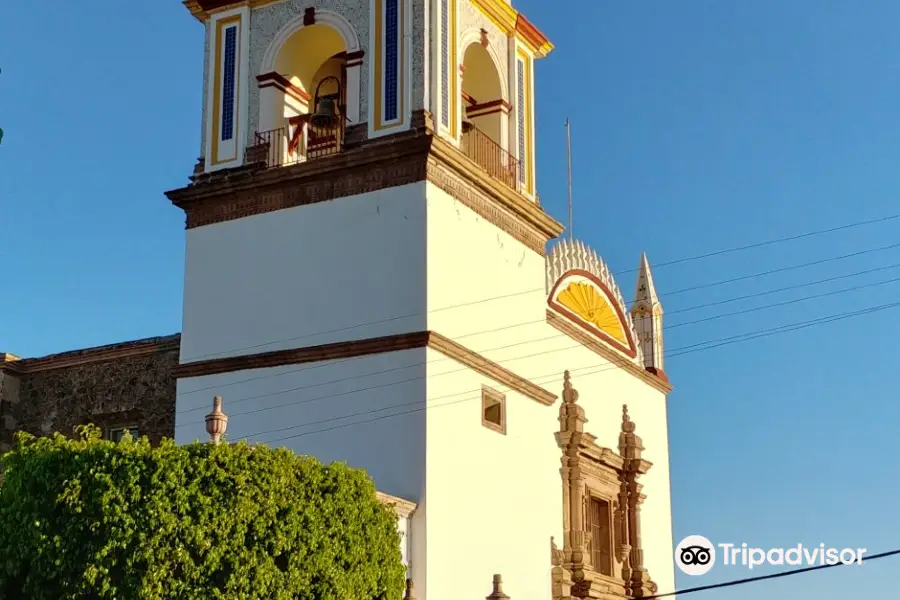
391	58
229	70
520	100
445	63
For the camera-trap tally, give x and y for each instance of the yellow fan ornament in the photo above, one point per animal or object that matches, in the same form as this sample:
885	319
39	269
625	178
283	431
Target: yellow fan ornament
591	304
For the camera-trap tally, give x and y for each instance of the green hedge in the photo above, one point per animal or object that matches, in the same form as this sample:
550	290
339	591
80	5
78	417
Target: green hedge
87	518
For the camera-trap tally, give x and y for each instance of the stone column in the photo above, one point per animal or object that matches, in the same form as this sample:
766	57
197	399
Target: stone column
641	584
571	419
631	449
623	545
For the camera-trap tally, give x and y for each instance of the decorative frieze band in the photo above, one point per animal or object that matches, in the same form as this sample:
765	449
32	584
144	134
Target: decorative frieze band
368	166
366	347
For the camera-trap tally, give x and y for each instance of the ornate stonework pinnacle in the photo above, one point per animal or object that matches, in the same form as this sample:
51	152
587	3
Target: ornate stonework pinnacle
216	421
627	423
570	394
497	594
410	590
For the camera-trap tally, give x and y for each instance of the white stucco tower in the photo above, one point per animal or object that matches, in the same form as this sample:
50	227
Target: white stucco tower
367	280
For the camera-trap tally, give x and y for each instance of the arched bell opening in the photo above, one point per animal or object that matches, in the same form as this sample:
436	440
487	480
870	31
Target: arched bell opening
309	75
486	115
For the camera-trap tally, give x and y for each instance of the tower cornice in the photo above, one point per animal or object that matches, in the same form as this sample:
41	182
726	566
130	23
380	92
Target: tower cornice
500	12
367	166
201	9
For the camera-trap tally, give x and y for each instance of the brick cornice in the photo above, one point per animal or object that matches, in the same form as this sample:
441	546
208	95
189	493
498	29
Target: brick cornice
366	347
369	165
202	9
308	354
527	210
92	355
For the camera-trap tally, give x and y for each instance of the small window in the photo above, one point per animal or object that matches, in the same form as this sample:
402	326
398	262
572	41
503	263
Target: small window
493	410
117	434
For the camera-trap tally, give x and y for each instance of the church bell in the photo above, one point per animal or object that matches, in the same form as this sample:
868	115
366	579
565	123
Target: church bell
326	113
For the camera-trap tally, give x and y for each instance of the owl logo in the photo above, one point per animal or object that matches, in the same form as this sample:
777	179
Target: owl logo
695	555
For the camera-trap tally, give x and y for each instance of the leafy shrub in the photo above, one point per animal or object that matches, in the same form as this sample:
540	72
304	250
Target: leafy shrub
87	518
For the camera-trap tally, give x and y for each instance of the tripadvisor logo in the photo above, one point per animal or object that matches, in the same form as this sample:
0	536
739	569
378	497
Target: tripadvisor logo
696	555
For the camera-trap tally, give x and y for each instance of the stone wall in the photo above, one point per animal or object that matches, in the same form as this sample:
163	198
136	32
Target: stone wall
122	385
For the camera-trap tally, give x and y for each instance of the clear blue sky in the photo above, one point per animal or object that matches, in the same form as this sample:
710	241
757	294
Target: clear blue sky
697	125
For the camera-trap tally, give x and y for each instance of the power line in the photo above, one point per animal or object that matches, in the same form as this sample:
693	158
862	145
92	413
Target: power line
785	303
503	347
673	353
715	586
548	378
772	241
783	289
515	325
545	379
543	288
783	269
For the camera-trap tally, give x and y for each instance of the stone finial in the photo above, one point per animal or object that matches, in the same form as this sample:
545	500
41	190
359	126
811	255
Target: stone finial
556	555
216	421
410	593
627	424
570	394
497	594
630	444
571	414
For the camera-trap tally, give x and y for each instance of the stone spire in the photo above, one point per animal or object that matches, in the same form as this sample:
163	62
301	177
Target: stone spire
647	314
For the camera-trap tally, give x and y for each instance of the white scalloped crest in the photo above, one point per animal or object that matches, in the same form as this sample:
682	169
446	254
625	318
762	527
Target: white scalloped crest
566	256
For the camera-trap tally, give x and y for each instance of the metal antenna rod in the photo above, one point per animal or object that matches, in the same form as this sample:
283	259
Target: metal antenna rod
569	155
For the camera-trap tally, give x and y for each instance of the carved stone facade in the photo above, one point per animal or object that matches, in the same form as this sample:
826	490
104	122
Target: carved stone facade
129	385
602	557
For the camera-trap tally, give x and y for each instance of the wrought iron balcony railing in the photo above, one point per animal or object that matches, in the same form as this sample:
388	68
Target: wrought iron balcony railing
303	141
498	163
295	143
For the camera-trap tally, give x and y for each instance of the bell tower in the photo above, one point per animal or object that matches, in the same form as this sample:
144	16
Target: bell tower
351	150
377	65
363	238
